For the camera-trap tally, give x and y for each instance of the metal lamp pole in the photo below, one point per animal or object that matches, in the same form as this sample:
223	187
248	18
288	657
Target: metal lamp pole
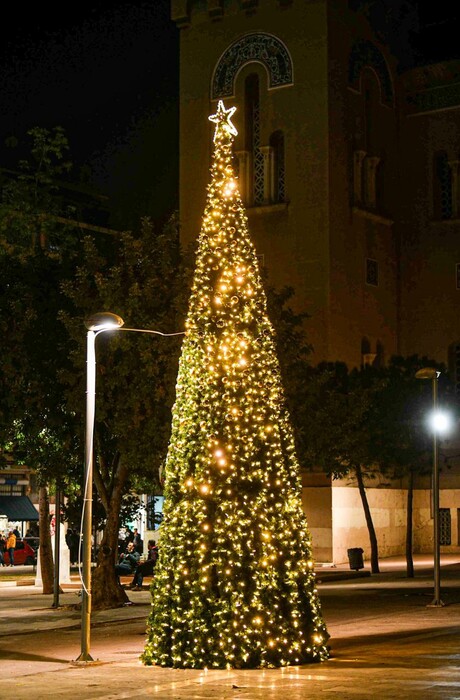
96	324
431	373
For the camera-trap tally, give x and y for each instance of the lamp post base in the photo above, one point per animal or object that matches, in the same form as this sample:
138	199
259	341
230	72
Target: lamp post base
84	658
436	603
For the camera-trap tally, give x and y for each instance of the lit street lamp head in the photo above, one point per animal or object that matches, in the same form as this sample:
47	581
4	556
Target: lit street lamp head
103	321
440	421
427	373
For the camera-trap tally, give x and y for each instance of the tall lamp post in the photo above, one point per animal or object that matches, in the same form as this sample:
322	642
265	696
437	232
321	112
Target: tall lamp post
439	423
95	324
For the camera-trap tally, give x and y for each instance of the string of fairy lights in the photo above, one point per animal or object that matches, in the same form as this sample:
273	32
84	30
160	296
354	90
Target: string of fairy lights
234	585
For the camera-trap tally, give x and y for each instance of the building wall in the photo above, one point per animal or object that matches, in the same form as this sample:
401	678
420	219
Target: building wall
317	504
346	104
430	244
319	240
293	238
389	513
362	123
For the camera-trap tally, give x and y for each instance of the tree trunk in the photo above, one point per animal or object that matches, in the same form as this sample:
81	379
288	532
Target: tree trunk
45	550
106	591
409	528
370	525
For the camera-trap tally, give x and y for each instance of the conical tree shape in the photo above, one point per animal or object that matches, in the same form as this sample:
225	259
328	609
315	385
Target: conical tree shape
234	585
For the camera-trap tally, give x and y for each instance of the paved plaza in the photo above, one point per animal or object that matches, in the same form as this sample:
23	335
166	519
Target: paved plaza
386	642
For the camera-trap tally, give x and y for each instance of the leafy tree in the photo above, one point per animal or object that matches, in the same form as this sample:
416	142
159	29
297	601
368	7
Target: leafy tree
364	422
136	372
403	445
34	424
31	203
336	412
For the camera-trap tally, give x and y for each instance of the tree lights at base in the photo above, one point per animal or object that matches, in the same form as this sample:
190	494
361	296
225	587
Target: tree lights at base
234	584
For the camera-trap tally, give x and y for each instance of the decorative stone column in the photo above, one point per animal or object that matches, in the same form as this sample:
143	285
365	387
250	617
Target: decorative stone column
64	560
244	176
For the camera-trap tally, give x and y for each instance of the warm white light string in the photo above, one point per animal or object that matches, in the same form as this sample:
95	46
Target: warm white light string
103	330
234	583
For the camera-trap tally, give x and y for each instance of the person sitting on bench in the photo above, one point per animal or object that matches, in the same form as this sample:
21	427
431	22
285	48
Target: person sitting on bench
128	561
145	569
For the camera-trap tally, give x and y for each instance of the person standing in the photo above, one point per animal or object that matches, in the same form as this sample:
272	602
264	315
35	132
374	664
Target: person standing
70	541
137	541
74	547
11	546
129	537
2	549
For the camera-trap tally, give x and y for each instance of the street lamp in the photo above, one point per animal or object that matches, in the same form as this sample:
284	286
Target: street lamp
95	324
439	423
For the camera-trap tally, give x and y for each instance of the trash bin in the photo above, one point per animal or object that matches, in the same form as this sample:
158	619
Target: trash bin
355	557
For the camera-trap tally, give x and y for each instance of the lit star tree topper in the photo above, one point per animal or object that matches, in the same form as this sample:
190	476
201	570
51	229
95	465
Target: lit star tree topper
234	584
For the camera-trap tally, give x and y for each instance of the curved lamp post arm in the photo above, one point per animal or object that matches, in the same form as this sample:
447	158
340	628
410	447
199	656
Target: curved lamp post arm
143	330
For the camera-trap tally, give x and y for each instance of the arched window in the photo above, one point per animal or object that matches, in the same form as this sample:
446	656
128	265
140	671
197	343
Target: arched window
369	77
259	47
363	54
372	165
249	69
277	155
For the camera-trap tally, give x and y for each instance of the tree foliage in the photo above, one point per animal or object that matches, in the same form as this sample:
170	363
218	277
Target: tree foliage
142	282
365	422
33	417
36	253
50	281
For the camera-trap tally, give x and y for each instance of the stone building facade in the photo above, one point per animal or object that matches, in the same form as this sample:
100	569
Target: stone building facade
349	168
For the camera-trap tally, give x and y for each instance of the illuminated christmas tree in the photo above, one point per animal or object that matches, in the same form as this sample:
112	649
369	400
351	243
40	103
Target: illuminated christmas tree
234	585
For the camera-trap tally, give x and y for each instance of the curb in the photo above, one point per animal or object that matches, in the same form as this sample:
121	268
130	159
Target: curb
324	577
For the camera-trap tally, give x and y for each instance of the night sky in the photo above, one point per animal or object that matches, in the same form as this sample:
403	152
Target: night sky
107	72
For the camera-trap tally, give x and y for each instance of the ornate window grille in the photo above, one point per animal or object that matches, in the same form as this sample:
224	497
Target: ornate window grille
253	138
372	272
443	187
257	155
445	533
279	171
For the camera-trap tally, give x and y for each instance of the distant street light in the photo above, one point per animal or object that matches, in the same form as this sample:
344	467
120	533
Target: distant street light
439	422
95	324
